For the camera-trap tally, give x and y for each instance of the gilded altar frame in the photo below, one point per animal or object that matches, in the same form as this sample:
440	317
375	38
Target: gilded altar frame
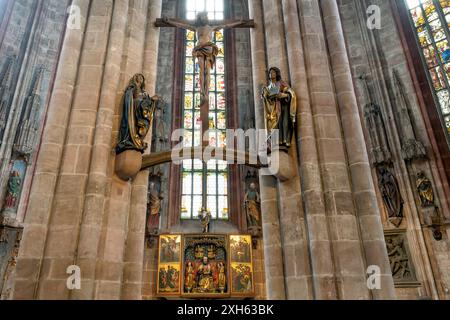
235	254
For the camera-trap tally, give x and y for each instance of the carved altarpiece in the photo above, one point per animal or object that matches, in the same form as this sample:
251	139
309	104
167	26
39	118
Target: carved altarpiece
207	266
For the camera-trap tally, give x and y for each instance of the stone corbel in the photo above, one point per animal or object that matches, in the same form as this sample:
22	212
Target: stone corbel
434	222
282	165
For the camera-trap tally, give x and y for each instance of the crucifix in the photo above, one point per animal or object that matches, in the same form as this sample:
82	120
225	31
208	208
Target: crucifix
205	53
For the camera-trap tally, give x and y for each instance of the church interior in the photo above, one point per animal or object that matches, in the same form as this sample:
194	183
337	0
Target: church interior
224	149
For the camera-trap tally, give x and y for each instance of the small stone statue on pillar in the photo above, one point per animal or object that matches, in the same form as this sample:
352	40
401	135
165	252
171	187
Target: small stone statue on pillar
137	118
280	104
425	189
205	219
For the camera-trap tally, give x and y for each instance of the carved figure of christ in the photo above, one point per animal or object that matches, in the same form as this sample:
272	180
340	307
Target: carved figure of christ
206	53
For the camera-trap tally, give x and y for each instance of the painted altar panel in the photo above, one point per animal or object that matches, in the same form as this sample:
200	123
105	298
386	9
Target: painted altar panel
169	265
205	266
242	283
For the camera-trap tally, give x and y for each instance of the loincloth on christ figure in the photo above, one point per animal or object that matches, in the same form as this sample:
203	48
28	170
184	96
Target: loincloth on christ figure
208	50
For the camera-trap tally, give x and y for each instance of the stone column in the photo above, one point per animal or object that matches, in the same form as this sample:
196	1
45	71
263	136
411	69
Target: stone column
294	235
314	204
274	268
134	250
341	223
66	216
113	243
94	204
48	162
362	183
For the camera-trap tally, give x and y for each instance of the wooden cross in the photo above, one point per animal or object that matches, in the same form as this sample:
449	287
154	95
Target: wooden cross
205	52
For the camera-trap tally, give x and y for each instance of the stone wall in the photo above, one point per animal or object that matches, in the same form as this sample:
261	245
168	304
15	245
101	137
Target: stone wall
377	55
30	40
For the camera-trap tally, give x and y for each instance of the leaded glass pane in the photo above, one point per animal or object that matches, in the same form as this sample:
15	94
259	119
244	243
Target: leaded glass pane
444	100
431	19
447	124
195	171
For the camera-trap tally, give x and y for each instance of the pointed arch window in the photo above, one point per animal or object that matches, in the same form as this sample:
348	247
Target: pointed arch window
194	173
431	22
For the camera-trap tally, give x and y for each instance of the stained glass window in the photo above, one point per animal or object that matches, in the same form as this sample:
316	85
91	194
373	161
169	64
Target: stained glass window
431	20
195	174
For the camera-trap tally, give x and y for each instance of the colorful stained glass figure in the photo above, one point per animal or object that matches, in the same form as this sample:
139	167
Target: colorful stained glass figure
190	35
437	77
430	56
189	66
447	124
417	15
445	4
188	101
212	139
446	55
222	140
430	11
198	120
212	121
221	49
197	138
189	47
221	121
220	65
197	83
444	101
220	83
187	139
447	70
219	35
212	101
221	101
436	29
197	101
424	37
442	47
212	84
188	83
188	120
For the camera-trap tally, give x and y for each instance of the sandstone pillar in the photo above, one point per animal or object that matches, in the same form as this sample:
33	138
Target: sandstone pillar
31	253
274	269
342	226
94	204
116	222
294	235
134	250
362	183
66	216
314	205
